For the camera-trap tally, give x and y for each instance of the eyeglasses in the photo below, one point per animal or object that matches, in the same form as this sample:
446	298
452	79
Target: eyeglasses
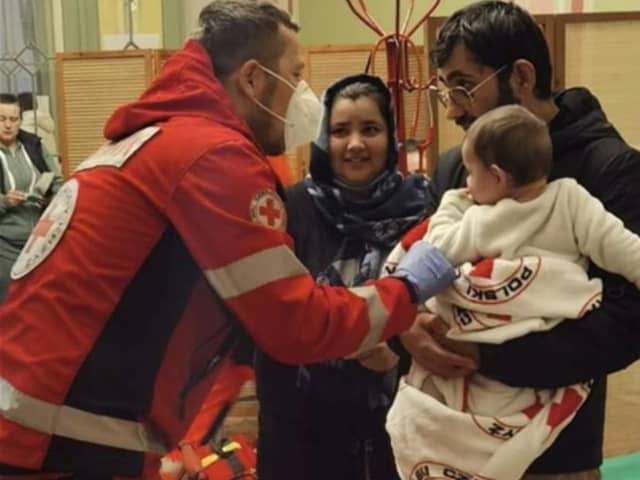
460	95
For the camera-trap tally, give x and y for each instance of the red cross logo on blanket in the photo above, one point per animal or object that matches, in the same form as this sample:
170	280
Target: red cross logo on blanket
483	269
567	406
267	209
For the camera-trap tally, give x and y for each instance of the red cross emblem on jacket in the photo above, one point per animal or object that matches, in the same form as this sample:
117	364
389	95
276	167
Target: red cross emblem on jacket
267	209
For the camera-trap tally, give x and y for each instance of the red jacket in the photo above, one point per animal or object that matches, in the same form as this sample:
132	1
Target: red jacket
126	295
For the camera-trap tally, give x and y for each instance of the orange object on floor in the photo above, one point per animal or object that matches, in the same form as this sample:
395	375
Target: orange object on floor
233	459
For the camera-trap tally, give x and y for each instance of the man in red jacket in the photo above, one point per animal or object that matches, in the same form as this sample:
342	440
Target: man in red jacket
164	245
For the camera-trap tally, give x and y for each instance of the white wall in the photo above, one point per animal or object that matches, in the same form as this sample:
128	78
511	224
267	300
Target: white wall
191	11
57	26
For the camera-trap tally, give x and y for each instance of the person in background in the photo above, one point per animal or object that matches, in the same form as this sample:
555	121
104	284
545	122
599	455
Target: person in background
165	249
23	160
38	121
493	53
326	420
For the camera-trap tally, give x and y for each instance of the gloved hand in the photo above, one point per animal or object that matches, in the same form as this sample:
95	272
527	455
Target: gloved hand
426	270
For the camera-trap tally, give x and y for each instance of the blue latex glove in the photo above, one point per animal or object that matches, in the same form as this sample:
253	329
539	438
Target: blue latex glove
426	270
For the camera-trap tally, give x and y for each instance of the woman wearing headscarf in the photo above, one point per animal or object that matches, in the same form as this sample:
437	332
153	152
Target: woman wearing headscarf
327	420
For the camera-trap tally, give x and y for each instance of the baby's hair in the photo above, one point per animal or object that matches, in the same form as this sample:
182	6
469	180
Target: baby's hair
514	139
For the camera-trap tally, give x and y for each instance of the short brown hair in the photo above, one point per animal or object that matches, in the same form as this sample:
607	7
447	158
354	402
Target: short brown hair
516	140
234	31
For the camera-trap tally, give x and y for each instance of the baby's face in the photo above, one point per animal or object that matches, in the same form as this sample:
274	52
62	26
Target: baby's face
486	187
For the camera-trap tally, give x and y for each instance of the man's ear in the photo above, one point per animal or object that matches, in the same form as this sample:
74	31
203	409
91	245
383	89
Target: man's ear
250	78
523	78
501	176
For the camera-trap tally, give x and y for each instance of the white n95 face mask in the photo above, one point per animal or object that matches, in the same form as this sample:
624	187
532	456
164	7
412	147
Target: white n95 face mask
304	113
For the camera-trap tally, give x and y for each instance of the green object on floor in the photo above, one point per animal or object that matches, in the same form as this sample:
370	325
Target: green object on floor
624	467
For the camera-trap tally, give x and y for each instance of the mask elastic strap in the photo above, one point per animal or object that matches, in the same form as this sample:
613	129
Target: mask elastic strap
271	112
277	75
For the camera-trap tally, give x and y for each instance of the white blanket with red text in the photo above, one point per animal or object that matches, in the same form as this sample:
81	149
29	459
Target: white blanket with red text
475	427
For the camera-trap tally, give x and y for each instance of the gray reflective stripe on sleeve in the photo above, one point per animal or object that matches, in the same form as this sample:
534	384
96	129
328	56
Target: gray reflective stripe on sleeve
378	316
254	271
74	423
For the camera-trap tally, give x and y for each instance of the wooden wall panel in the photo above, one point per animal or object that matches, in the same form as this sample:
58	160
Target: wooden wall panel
622	424
601	52
159	57
90	87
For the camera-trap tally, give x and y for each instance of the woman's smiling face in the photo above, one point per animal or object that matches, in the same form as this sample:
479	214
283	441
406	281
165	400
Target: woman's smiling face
358	141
